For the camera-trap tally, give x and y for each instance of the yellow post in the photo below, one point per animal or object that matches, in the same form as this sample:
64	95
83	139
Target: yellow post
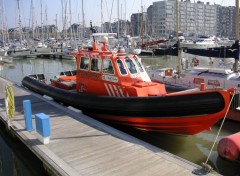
10	104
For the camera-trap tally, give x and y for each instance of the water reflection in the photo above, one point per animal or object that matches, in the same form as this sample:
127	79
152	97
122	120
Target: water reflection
25	66
16	159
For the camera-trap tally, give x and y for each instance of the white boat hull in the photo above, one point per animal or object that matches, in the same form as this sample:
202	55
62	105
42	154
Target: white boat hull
212	77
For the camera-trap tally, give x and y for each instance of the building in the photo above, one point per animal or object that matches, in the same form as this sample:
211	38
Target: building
121	26
226	21
136	24
149	20
194	19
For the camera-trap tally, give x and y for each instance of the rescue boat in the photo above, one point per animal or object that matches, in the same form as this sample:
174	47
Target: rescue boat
115	88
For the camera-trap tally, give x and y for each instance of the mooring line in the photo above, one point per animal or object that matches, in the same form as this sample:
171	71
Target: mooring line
205	164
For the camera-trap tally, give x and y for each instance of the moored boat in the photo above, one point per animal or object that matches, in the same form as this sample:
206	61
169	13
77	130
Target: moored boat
114	87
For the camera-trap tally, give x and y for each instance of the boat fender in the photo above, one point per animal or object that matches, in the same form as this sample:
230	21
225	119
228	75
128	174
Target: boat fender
229	147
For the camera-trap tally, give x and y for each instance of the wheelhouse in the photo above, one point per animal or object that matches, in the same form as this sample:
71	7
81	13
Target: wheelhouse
112	74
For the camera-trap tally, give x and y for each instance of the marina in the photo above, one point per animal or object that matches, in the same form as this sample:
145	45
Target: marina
201	142
155	95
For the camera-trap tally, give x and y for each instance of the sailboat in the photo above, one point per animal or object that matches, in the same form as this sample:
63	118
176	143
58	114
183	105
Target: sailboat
212	77
19	48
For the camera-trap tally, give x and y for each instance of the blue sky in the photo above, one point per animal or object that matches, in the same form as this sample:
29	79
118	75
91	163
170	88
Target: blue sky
92	10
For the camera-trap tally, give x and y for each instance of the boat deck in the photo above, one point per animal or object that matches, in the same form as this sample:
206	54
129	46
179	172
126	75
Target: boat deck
80	145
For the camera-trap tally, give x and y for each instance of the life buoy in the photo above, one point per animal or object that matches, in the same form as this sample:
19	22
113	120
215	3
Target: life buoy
168	72
195	62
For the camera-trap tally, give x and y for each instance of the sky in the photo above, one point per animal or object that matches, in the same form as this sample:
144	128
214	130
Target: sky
52	10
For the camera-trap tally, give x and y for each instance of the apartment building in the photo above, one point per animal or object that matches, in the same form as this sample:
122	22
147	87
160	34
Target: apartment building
226	25
194	19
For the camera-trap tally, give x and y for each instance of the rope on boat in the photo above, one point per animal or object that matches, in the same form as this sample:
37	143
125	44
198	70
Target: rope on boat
205	166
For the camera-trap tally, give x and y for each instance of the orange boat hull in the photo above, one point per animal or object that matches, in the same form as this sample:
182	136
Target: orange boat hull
176	125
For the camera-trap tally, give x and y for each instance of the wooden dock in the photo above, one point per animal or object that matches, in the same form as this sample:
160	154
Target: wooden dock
80	145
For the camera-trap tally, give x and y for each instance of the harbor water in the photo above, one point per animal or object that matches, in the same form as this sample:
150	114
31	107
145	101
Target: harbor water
16	159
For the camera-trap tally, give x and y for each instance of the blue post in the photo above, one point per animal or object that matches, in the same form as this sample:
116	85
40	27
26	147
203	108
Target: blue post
43	127
28	115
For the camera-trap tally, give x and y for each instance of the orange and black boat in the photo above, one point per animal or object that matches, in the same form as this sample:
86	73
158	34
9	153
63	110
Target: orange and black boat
114	87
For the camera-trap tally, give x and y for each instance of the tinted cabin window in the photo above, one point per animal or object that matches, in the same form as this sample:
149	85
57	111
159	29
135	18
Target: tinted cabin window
84	64
131	66
96	64
121	67
108	66
138	64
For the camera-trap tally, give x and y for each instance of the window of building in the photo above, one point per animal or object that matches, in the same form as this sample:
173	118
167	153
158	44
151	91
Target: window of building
84	63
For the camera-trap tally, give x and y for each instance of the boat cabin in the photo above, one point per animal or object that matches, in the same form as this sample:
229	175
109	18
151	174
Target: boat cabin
113	74
106	73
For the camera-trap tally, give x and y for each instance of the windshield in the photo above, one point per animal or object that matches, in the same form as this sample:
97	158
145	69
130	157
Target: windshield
108	67
121	67
131	66
139	64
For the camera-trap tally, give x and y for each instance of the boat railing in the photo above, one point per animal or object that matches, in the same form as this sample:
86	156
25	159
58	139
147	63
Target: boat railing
235	102
185	91
40	77
68	73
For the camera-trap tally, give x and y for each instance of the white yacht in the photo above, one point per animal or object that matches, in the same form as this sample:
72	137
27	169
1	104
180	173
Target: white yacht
218	74
201	43
67	53
3	51
18	50
41	47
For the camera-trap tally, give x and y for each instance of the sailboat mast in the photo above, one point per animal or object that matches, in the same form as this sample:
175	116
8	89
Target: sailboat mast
47	31
19	21
235	65
56	29
125	19
101	16
237	19
83	25
176	20
70	20
41	21
33	18
118	18
178	43
142	23
1	20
